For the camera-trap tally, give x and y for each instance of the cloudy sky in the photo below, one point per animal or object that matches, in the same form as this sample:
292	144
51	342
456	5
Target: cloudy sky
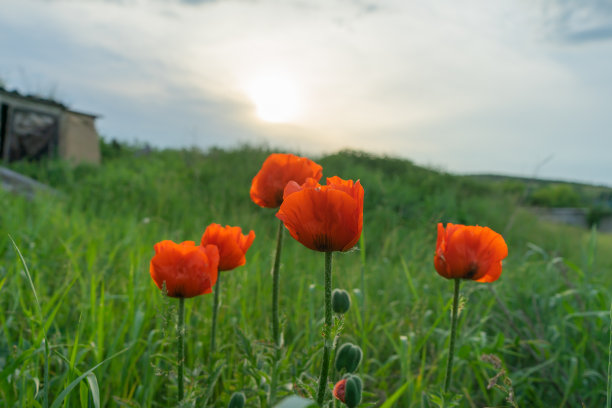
469	87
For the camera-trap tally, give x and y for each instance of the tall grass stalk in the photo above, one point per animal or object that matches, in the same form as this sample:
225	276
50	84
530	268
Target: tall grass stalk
327	345
42	325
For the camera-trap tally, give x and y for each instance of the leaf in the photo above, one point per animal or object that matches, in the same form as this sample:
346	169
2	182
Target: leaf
9	368
398	393
95	391
212	380
296	402
60	398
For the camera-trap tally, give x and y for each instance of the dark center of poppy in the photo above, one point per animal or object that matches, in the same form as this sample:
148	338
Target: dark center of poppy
471	271
178	291
322	243
279	198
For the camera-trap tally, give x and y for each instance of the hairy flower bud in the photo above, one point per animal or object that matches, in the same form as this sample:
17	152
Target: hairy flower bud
348	390
341	301
352	391
348	357
237	401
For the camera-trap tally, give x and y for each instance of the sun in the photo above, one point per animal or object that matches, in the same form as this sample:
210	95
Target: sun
275	97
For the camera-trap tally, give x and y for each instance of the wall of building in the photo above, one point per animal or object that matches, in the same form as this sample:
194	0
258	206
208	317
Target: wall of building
79	138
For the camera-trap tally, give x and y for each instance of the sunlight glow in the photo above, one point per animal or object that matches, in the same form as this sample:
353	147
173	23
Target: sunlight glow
275	97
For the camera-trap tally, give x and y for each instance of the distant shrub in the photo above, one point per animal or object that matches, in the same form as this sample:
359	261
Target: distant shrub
555	195
513	187
596	214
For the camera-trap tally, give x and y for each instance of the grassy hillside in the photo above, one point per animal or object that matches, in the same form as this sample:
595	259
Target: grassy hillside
88	250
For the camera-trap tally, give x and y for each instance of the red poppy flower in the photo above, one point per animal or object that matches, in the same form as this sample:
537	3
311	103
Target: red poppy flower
469	252
232	244
277	170
324	218
340	389
186	269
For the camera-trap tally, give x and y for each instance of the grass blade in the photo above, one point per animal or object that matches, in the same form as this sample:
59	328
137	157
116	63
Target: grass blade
60	398
95	390
398	393
42	324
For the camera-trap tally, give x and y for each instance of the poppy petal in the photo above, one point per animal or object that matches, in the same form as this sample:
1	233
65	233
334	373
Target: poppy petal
277	170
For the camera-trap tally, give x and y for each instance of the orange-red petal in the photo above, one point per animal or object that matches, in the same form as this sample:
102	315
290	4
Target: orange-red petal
469	252
231	242
340	390
324	218
185	269
277	170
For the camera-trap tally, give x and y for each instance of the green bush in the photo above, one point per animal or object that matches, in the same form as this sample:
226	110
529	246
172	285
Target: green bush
555	195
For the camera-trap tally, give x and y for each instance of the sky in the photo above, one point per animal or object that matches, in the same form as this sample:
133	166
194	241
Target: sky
517	87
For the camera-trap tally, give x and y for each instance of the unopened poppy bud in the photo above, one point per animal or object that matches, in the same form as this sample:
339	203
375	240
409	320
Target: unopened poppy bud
237	401
352	391
348	357
341	301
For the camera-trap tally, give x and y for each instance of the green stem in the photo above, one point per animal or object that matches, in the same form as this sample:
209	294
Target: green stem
213	333
275	317
340	325
453	334
275	284
327	345
180	331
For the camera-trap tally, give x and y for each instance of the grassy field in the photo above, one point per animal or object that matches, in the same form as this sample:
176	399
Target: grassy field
88	250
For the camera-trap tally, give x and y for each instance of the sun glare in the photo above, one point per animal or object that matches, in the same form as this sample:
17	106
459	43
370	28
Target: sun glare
275	98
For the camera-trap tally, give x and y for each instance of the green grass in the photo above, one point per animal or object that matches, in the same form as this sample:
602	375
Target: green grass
88	250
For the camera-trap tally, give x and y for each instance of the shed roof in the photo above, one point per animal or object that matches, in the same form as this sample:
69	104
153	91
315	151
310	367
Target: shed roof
43	101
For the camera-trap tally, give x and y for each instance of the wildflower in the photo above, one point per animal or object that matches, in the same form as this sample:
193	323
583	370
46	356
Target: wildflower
466	252
232	245
469	252
277	170
324	218
231	242
185	269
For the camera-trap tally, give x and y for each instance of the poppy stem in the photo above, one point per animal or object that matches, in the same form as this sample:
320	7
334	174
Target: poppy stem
453	334
327	345
213	333
275	285
275	317
180	331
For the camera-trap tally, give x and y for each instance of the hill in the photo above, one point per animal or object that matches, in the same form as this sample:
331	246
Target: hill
89	248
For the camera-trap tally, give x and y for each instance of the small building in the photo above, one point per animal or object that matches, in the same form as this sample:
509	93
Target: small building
33	128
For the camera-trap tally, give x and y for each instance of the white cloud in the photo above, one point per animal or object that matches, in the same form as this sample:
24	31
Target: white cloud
471	87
